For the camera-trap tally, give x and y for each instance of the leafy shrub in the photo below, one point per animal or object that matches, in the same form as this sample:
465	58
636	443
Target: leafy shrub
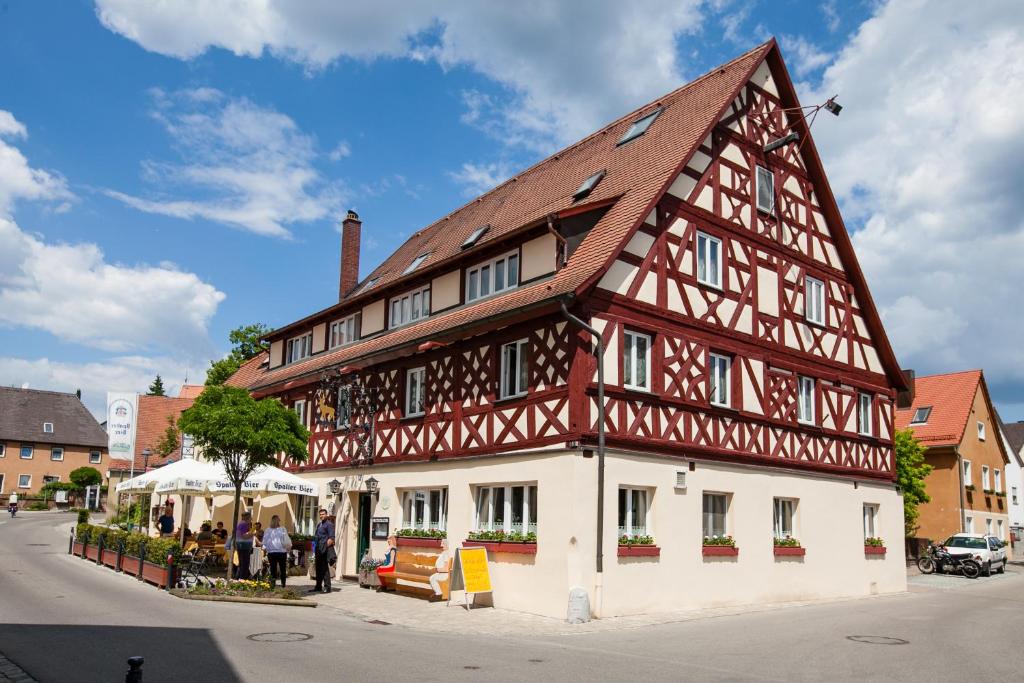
83	516
720	540
82	531
157	550
787	542
636	540
368	564
422	533
874	542
37	506
133	542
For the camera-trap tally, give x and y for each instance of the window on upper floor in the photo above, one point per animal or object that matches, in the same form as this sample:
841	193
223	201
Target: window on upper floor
409	308
27	451
765	190
719	380
814	300
57	453
864	414
805	400
299	348
513	369
1013	494
300	409
588	185
634	505
986	483
921	416
981	430
425	509
639	127
95	457
997	482
415	391
967	473
416	263
346	330
493	276
511	508
636	356
48	428
709	260
475	236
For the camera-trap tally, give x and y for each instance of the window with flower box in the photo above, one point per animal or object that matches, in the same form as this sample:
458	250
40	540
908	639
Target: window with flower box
870	520
782	524
425	509
715	515
511	508
633	508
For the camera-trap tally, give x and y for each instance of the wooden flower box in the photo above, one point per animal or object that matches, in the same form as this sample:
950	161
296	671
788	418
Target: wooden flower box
154	574
503	547
130	565
720	551
639	551
77	548
789	551
416	542
109	558
92	552
874	550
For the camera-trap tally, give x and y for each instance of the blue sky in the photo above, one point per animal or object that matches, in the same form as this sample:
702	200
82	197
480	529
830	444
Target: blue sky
172	173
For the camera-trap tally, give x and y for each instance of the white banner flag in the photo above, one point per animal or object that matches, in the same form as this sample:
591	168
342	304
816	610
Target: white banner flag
121	411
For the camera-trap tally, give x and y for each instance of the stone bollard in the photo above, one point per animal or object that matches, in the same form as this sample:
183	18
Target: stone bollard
134	674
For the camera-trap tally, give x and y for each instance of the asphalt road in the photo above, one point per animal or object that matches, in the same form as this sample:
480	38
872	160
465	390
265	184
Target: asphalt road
64	620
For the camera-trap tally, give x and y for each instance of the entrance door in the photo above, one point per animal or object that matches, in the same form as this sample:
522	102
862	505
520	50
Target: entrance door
365	508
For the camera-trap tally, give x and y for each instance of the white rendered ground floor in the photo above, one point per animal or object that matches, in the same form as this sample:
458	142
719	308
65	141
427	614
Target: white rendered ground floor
676	502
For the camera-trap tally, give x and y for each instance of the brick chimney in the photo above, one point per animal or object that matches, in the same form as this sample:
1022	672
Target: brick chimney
351	228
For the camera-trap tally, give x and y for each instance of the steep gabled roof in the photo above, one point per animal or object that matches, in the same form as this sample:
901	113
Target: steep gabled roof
23	412
951	397
637	174
248	372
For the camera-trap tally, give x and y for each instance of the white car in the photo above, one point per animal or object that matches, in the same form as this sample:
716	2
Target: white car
990	549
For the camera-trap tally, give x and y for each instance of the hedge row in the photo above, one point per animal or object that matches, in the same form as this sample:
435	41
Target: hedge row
157	549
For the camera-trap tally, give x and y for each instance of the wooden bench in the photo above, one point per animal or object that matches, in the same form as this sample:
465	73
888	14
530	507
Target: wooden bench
413	567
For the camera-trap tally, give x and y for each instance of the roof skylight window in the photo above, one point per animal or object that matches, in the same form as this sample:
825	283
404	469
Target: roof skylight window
921	416
475	237
639	126
370	284
416	262
588	185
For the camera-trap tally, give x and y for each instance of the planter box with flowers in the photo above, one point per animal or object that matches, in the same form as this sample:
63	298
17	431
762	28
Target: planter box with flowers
501	542
719	546
874	546
420	538
788	547
368	572
638	546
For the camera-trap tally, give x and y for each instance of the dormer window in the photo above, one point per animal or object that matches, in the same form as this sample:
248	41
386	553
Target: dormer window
639	127
410	307
345	331
588	185
416	263
921	416
299	348
475	236
47	428
492	277
369	284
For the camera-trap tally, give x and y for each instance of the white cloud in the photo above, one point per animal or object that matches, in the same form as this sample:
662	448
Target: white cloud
802	56
832	20
479	178
929	155
559	85
119	373
17	179
251	167
341	150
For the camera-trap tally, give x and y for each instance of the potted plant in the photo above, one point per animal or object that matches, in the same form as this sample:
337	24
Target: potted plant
500	541
368	571
638	545
721	546
788	546
969	487
874	546
421	538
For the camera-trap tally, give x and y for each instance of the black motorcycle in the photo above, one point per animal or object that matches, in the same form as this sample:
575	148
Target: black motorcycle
940	560
13	509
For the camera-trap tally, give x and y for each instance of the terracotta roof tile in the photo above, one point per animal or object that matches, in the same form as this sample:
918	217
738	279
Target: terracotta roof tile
190	390
248	372
637	172
951	397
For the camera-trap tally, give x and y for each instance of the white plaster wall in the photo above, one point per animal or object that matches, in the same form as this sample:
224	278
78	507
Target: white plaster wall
276	353
538	257
319	337
373	317
445	291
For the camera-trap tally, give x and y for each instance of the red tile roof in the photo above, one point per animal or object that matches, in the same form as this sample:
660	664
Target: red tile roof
637	174
248	372
951	397
191	390
151	423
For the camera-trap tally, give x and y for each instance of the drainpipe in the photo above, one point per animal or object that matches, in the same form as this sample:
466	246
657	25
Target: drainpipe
599	579
960	472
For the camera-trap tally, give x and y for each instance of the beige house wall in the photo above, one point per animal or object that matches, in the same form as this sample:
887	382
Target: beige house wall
372	320
538	257
829	523
446	291
40	465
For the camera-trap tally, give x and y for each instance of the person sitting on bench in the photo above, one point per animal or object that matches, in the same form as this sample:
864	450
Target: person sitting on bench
443	565
389	560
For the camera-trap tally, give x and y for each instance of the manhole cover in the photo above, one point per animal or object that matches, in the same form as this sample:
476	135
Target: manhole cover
279	637
378	622
878	640
535	661
471	668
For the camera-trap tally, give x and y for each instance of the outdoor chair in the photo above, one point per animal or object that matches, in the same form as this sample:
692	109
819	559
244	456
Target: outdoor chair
196	567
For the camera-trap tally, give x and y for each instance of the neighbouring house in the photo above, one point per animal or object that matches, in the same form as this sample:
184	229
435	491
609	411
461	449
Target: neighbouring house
953	417
44	435
1013	434
749	385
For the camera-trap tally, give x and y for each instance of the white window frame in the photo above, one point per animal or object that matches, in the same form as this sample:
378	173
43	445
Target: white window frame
864	421
483	509
47	428
630	528
97	459
25	486
981	430
344	331
715	362
967	472
54	451
306	518
476	275
915	421
420	519
870	520
301	409
986	477
814	300
988	526
781	507
31	451
299	348
997	481
415	392
416	263
805	400
522	364
409	307
1001	529
705	245
631	359
707	517
968	524
759	174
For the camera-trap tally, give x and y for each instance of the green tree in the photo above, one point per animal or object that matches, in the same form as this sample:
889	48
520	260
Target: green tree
245	344
84	477
169	443
157	387
911	469
242	434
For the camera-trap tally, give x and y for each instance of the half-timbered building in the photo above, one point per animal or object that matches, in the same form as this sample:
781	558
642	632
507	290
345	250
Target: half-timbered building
748	383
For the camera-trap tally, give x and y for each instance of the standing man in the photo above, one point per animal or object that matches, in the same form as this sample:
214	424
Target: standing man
323	540
166	523
243	545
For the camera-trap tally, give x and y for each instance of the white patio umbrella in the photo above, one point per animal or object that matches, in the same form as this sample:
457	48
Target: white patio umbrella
187	477
267	478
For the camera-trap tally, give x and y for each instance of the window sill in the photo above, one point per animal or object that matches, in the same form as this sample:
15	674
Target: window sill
513	547
722	406
414	416
509	399
787	551
639	551
641	390
815	323
711	285
719	551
